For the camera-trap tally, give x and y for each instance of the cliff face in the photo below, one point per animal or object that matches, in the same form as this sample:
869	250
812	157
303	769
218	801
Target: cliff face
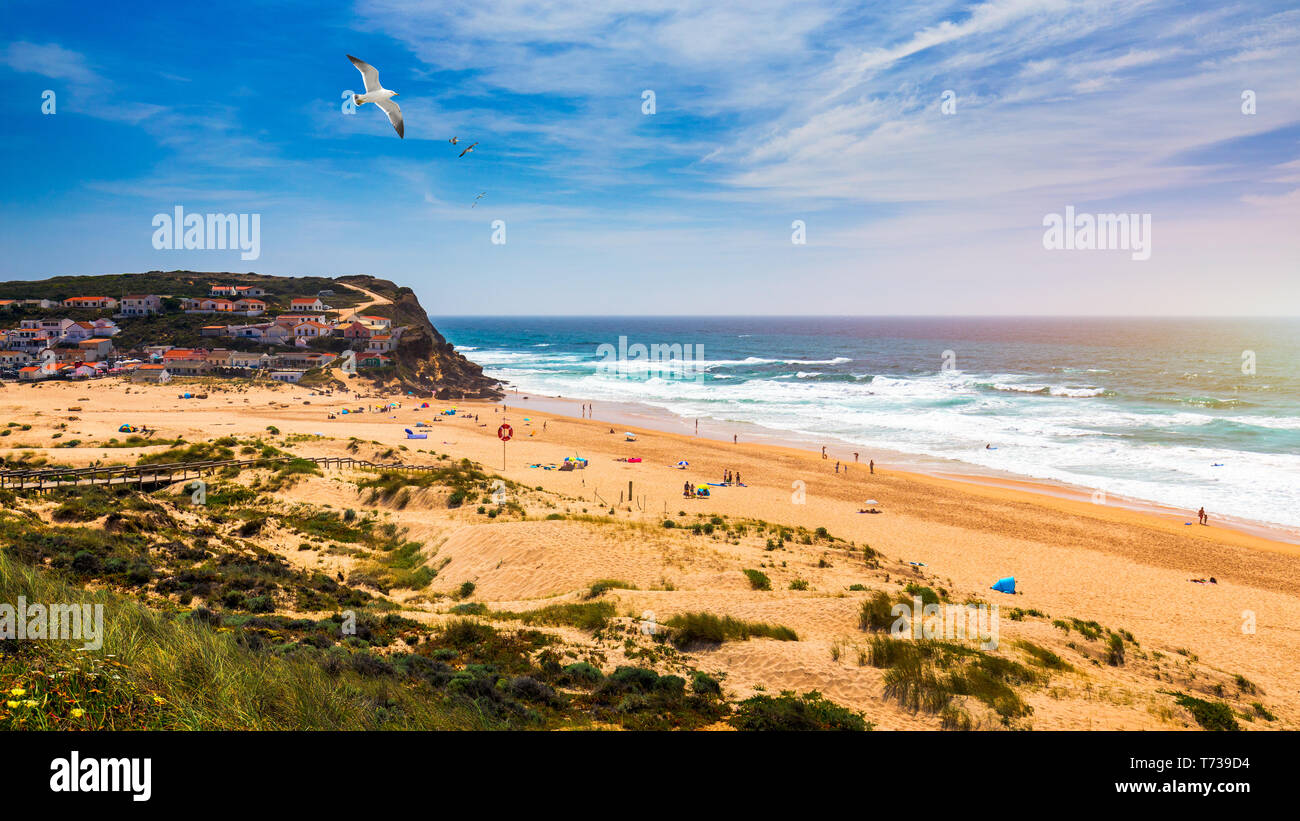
425	360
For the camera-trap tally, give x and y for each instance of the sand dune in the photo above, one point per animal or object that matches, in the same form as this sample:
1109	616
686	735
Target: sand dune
1127	570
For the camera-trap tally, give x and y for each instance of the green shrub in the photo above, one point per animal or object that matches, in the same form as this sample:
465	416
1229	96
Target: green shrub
758	580
1115	650
787	712
927	595
1211	715
690	629
875	613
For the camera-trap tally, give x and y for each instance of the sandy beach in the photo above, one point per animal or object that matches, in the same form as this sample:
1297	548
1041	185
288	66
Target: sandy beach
1124	568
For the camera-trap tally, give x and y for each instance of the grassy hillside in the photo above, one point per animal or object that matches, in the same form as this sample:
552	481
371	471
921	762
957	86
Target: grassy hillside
196	635
424	361
173	283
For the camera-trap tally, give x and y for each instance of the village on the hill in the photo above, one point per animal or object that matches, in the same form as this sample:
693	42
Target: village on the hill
246	339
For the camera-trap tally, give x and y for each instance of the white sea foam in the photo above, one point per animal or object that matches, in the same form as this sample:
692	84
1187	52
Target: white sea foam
1041	429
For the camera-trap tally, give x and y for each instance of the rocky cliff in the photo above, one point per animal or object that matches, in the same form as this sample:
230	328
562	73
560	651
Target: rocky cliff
426	361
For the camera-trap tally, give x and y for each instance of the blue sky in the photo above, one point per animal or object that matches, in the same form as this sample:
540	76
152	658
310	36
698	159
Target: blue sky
825	112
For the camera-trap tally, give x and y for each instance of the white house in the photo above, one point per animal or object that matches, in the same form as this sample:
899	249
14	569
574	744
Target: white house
106	327
381	343
101	302
11	358
312	304
150	373
311	330
78	331
141	304
54	328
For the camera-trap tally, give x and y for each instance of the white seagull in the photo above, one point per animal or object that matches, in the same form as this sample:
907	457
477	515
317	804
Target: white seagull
377	94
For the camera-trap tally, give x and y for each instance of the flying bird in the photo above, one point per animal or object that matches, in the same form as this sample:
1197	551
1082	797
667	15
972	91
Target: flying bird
467	150
454	140
377	94
479	197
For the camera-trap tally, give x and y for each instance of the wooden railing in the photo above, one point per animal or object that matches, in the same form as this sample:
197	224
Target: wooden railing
162	474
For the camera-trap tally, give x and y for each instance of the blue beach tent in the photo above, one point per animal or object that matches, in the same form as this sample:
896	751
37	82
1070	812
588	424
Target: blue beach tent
1006	584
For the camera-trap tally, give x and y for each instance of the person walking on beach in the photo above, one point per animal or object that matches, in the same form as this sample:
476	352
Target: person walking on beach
697	427
738	477
837	466
855	457
733	439
873	467
1201	517
686	489
823	451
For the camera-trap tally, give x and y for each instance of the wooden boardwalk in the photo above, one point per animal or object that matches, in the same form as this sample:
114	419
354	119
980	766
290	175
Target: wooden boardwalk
164	474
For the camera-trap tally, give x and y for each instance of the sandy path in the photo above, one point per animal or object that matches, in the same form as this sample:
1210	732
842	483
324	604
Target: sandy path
375	299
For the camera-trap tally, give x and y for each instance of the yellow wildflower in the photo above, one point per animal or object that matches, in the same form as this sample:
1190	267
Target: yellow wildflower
77	712
13	705
17	691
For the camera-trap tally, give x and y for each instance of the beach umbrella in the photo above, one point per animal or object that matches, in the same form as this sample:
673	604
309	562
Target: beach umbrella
683	464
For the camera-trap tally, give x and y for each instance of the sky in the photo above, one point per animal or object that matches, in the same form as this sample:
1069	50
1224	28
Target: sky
921	146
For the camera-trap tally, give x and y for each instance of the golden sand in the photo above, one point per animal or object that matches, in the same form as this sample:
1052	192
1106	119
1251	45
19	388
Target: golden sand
1126	569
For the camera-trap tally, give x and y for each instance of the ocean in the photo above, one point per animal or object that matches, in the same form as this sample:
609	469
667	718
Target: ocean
1182	412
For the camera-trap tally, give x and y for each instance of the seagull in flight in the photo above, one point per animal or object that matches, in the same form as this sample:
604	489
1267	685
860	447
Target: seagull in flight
479	197
377	94
454	140
467	150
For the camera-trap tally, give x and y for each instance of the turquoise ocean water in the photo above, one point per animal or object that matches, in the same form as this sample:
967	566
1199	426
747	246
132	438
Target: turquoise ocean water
1166	410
